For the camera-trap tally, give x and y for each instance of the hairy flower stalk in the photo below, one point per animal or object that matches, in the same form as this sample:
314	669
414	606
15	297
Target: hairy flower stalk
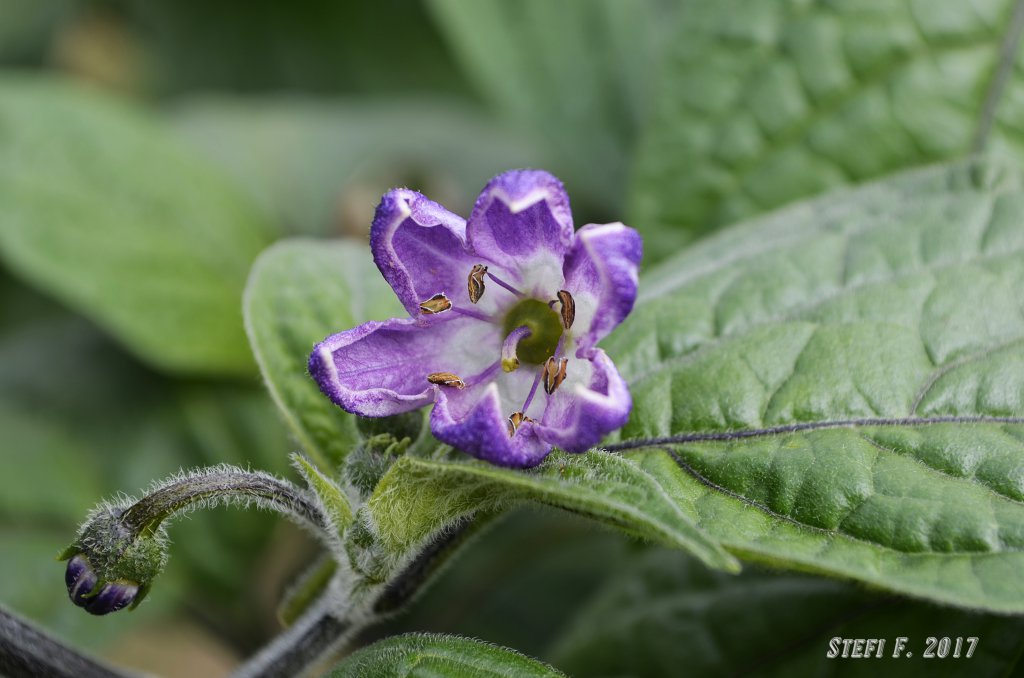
122	546
505	311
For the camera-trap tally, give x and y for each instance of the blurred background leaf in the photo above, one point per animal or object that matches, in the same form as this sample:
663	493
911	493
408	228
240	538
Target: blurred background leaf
576	74
27	28
320	165
661	611
519	583
322	46
104	211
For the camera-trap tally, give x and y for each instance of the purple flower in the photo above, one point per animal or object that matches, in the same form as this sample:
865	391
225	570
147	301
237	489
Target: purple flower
505	314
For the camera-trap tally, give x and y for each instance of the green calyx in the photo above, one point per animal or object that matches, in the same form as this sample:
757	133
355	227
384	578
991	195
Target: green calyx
116	554
545	330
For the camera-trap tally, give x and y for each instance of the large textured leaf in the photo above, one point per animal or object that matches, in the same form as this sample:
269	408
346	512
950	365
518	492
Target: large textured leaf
664	611
839	387
322	165
299	292
419	497
105	212
425	655
578	72
764	102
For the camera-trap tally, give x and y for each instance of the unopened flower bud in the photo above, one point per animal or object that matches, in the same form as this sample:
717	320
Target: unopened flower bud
110	567
85	591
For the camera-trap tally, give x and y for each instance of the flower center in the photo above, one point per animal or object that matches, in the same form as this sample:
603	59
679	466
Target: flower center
545	329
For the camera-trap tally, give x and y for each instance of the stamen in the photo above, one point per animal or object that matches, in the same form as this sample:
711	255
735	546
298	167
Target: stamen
446	379
515	420
470	313
568	310
486	375
438	303
504	284
554	374
533	390
509	359
476	282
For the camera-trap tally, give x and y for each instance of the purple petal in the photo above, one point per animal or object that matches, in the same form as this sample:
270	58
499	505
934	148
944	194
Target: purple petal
420	248
601	274
591	402
112	597
80	579
523	216
476	422
380	368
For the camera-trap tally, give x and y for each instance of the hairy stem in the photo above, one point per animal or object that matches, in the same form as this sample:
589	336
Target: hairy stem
313	639
28	652
319	634
410	581
222	484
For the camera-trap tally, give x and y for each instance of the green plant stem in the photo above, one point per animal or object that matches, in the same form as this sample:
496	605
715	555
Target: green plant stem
319	634
312	640
223	484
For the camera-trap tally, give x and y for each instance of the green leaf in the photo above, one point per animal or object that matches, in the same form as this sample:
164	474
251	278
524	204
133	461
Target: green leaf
578	71
763	102
839	387
322	165
418	498
299	292
332	496
664	611
106	213
52	480
421	655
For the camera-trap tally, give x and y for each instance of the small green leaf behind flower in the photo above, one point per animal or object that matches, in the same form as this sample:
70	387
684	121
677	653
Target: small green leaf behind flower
300	291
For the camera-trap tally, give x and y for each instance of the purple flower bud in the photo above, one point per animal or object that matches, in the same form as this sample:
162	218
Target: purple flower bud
82	582
499	303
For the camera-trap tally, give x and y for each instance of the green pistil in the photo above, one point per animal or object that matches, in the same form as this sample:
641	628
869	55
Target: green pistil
545	330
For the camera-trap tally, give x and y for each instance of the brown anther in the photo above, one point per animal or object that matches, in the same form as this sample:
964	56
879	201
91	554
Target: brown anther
476	282
568	310
515	420
435	304
446	379
554	374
